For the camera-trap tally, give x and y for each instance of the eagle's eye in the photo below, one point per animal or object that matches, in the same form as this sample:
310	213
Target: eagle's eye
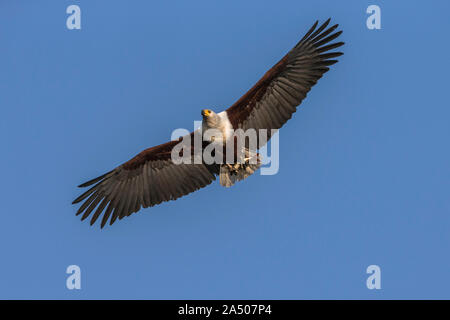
206	112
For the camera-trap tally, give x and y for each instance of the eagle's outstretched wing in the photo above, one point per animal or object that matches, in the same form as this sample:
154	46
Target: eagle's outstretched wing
270	103
144	181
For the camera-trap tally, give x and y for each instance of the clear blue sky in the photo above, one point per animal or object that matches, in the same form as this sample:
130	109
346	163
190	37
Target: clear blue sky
364	176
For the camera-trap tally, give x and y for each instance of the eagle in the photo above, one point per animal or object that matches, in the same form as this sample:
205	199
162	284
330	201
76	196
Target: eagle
153	177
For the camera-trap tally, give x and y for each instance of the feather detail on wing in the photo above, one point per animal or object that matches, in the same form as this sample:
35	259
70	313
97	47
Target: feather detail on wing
144	181
270	103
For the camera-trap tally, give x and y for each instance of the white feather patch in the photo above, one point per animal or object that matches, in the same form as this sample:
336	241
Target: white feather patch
225	125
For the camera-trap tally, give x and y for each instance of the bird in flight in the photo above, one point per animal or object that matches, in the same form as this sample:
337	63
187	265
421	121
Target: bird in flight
152	176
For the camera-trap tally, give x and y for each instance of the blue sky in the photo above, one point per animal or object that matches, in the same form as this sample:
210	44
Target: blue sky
364	163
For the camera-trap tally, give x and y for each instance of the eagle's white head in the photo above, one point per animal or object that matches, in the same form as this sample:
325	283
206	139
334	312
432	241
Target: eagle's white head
211	119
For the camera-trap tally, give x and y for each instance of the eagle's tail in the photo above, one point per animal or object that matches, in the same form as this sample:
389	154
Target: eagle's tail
231	173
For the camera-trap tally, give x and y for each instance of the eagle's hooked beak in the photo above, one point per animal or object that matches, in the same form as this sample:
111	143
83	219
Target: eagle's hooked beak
206	112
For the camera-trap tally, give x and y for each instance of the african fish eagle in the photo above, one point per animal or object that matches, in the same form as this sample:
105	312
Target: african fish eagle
152	177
